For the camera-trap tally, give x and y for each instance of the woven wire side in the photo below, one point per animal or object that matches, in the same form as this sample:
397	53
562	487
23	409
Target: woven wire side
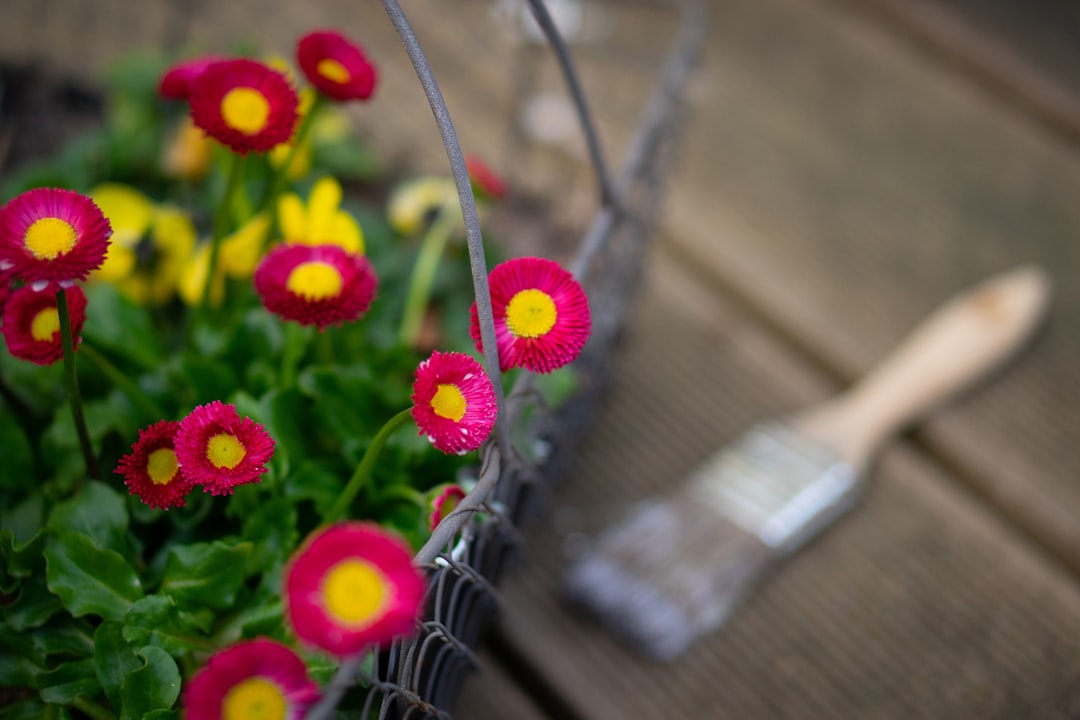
420	677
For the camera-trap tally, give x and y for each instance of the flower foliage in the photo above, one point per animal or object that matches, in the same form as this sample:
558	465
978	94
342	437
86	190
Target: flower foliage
244	105
31	322
351	586
319	285
453	402
151	470
207	496
257	678
218	450
52	235
541	313
443	503
336	66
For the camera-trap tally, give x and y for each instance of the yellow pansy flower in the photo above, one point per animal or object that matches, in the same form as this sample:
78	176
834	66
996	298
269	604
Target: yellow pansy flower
321	221
187	152
172	238
414	202
241	251
150	244
129	212
192	279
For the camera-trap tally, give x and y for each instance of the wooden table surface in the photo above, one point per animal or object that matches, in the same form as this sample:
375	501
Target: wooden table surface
836	179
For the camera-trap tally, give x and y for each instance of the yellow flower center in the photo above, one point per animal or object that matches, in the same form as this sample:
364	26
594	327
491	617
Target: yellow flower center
254	699
49	238
245	109
45	324
225	451
314	281
161	466
448	402
333	71
355	591
531	313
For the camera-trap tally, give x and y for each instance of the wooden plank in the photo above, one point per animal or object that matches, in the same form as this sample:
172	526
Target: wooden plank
490	693
919	603
1025	55
845	185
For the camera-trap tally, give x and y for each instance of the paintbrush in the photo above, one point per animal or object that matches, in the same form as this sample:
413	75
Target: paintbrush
677	566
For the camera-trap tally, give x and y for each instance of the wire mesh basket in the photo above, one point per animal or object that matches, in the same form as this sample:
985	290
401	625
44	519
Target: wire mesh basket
421	676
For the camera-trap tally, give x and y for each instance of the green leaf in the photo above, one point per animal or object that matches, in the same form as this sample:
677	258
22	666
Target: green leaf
25	519
272	530
103	416
160	715
25	710
89	580
15	449
32	607
19	560
68	681
258	335
40	387
119	325
97	511
113	659
265	620
64	636
208	574
156	620
20	661
208	379
315	481
284	414
345	405
155	686
346	159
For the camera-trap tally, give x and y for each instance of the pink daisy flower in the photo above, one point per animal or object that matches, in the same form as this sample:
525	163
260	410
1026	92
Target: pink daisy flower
252	679
5	292
52	235
151	470
336	66
453	402
219	450
244	105
541	315
316	284
444	503
31	323
350	586
484	180
175	83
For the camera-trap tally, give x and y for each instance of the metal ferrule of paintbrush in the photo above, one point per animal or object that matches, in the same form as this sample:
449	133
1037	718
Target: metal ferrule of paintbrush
677	566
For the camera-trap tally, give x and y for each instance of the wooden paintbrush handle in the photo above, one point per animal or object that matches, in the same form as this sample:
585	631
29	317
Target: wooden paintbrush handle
958	344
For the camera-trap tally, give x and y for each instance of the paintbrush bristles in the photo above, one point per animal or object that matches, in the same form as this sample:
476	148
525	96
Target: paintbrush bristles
675	568
672	570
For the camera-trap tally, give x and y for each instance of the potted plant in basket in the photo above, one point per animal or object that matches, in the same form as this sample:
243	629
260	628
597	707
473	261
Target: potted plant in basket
211	349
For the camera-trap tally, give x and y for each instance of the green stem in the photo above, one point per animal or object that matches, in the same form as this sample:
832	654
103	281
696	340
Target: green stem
324	348
122	381
401	493
222	222
363	471
71	381
423	275
92	709
281	174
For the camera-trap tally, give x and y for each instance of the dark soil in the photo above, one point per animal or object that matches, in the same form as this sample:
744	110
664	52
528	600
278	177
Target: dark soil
40	113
